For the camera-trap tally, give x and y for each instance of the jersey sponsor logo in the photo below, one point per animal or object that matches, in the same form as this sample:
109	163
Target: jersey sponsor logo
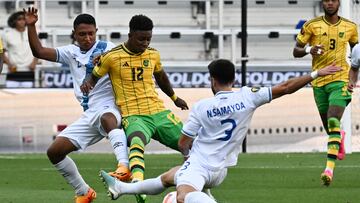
225	110
146	62
255	89
125	64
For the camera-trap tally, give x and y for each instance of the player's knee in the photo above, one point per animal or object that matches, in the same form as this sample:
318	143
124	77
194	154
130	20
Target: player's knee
333	123
197	196
137	134
54	154
108	122
180	196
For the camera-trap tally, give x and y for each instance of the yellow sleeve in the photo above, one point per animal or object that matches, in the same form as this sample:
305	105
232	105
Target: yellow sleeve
1	47
304	36
354	39
103	66
158	66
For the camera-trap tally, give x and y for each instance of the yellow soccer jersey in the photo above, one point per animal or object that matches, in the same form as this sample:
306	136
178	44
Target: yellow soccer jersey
1	47
334	38
131	76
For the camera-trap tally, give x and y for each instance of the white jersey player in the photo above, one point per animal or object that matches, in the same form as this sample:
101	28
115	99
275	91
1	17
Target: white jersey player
101	117
215	130
355	65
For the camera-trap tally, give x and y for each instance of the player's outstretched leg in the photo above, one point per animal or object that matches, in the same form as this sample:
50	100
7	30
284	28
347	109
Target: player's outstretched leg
110	184
333	150
87	198
326	177
341	154
197	196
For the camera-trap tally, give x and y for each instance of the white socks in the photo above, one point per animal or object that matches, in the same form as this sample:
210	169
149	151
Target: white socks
118	142
151	186
197	196
69	171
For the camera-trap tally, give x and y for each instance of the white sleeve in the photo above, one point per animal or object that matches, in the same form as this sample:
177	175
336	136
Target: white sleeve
260	95
355	57
192	125
109	46
63	54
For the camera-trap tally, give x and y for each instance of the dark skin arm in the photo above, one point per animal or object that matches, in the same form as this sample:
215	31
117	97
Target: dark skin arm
1	61
37	49
89	83
299	50
165	86
185	144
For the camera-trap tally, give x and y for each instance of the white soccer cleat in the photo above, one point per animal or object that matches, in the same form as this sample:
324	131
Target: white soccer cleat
109	183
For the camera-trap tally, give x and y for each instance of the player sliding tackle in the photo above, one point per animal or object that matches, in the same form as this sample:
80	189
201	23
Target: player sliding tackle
219	125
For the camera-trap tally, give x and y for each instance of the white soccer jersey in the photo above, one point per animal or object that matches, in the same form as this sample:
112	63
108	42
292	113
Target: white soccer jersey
355	56
76	59
219	125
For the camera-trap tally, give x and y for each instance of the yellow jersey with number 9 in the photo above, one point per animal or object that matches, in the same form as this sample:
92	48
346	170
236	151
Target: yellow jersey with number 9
334	38
131	76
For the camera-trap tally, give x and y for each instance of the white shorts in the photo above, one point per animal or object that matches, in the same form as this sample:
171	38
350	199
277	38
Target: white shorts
87	130
193	174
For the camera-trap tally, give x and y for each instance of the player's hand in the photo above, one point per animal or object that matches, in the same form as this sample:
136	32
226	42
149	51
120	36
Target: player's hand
329	70
351	86
86	87
31	16
181	104
317	50
96	60
12	69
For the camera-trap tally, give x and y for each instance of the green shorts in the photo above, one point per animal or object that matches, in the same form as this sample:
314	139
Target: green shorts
332	94
164	127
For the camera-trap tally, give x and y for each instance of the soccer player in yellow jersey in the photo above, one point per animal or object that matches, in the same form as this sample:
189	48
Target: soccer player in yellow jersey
131	67
326	38
1	55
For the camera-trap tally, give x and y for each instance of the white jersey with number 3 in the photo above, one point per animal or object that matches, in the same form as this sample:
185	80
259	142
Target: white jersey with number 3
220	124
76	59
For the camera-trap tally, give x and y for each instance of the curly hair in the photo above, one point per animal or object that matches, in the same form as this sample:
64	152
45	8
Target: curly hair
140	23
13	17
222	70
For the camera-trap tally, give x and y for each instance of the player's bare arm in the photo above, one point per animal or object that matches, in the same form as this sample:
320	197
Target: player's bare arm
89	83
164	84
292	85
185	144
301	50
31	17
1	61
353	78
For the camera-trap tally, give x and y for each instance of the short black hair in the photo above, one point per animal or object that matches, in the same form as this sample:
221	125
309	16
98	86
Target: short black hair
140	23
13	17
222	70
84	18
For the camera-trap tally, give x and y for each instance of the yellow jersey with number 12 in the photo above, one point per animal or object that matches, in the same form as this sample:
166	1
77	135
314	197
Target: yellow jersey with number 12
334	38
131	76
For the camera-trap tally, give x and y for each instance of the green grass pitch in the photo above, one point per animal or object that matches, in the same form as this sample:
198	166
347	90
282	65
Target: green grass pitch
258	178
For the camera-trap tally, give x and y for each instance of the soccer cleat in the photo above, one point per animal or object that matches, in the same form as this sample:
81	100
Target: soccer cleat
341	154
109	183
122	173
326	177
140	198
89	197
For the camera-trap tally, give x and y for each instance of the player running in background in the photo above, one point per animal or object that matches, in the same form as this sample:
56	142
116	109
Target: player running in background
1	56
131	67
328	37
101	117
218	126
354	70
